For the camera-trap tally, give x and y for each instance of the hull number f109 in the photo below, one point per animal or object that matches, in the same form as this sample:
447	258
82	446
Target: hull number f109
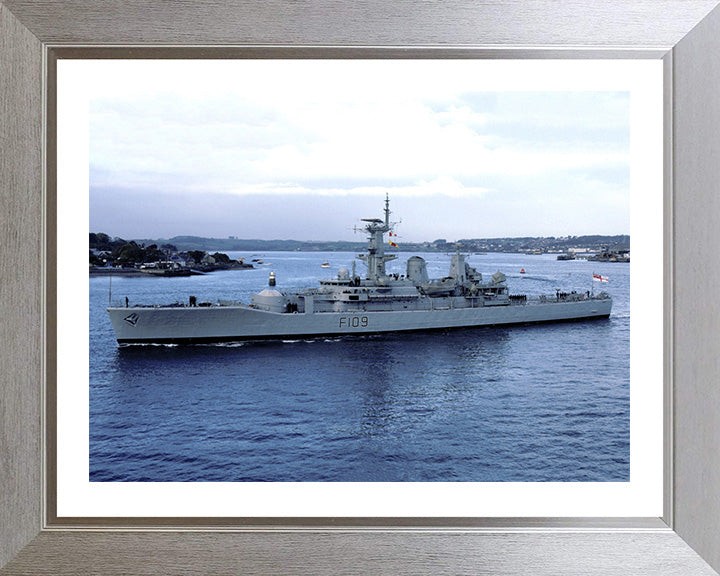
353	322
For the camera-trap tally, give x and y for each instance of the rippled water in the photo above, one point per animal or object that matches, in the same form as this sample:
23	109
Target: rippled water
527	403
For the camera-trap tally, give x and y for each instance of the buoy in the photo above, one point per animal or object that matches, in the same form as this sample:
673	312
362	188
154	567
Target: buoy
522	271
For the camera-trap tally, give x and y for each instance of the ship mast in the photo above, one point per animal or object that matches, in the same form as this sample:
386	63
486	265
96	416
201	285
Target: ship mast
376	257
387	210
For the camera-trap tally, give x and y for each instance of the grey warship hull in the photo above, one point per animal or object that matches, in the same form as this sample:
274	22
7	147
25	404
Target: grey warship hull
235	323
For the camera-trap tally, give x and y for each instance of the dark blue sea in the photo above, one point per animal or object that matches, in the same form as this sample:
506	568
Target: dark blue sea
526	404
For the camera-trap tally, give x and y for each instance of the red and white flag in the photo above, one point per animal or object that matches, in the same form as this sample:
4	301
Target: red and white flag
600	278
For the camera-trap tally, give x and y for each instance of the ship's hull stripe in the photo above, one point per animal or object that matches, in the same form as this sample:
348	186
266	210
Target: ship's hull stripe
221	339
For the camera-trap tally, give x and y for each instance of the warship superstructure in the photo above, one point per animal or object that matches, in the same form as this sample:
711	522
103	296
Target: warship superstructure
350	304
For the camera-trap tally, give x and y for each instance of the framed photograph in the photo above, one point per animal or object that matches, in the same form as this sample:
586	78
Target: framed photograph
549	407
392	509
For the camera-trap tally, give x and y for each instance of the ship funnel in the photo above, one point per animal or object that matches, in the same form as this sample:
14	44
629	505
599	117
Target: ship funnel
271	280
417	270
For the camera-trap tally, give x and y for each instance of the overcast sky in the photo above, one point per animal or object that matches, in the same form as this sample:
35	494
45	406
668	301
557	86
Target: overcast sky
303	149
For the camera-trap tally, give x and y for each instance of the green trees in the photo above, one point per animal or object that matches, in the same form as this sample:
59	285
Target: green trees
221	258
103	242
120	252
196	255
128	254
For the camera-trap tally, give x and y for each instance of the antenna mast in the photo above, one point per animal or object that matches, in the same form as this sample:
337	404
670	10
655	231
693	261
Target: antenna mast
376	257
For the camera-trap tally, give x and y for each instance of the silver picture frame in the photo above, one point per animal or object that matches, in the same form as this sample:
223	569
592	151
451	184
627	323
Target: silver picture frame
685	34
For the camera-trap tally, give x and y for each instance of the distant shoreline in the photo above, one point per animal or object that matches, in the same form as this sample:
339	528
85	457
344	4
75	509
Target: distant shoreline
116	272
596	242
134	272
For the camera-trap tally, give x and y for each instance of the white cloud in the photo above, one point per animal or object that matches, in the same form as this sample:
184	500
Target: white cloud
442	186
397	140
450	129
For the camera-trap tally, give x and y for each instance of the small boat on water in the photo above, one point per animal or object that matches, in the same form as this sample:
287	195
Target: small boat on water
325	265
608	256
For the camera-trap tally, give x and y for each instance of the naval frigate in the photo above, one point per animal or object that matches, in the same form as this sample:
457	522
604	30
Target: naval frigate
352	305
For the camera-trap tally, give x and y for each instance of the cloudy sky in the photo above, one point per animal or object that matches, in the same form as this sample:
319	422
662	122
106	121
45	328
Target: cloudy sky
303	149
